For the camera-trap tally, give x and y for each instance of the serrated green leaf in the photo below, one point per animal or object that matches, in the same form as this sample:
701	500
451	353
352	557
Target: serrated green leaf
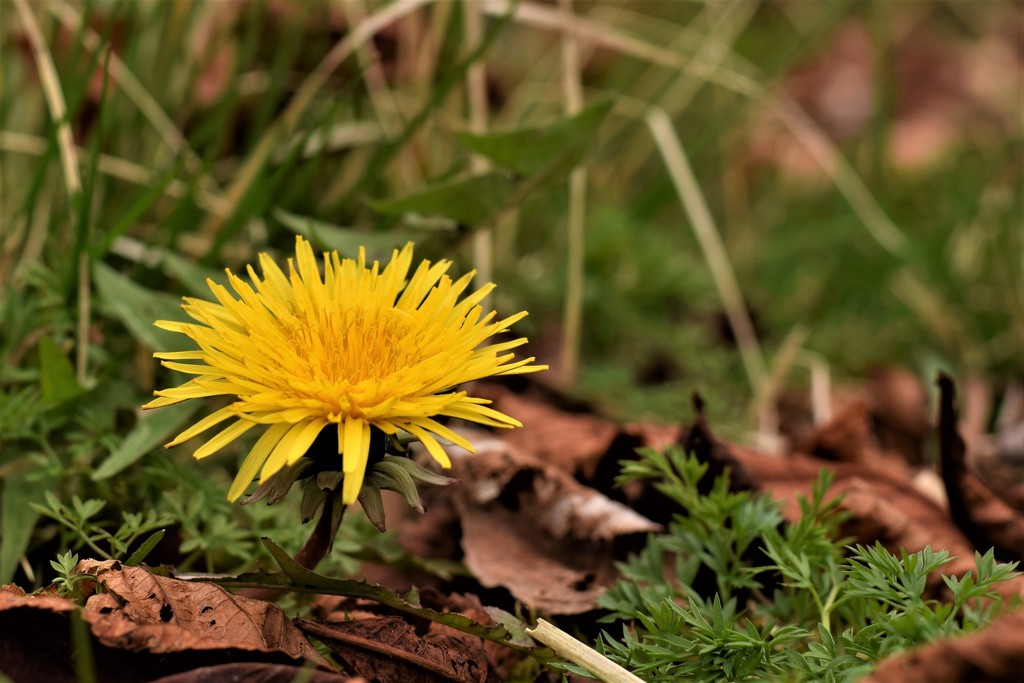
18	515
528	151
298	578
190	275
345	241
146	548
138	307
467	201
150	430
57	375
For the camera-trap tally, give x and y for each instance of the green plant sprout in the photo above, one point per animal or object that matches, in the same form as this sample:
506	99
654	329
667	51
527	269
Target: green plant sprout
792	602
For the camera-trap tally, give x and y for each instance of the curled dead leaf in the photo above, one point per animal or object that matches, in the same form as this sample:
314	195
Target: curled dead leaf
23	654
531	528
388	650
995	653
572	441
883	502
256	672
142	611
984	517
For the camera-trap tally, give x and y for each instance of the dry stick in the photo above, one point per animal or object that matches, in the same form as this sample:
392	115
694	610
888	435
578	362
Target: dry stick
313	551
768	440
821	385
283	126
476	94
578	653
711	245
69	162
573	307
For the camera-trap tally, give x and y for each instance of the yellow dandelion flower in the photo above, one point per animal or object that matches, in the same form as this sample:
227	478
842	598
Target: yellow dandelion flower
360	347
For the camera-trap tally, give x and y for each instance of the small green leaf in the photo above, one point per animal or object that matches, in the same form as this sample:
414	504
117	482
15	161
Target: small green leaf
467	201
296	577
17	516
528	151
146	548
345	241
138	307
373	506
191	276
57	375
151	429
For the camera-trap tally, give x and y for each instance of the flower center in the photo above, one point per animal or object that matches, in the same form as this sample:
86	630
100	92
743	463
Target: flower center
351	344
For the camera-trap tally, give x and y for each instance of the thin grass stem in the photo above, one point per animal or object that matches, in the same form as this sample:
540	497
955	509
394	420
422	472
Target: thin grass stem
572	320
288	121
116	167
844	177
576	652
476	97
710	242
133	88
50	84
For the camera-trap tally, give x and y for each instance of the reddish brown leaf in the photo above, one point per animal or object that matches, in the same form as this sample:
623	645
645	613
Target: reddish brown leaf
24	655
388	650
995	653
984	517
531	528
142	611
500	658
256	672
884	503
848	437
572	441
12	597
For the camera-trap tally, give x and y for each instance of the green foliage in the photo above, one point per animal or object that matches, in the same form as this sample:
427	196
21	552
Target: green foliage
67	579
791	601
205	146
554	148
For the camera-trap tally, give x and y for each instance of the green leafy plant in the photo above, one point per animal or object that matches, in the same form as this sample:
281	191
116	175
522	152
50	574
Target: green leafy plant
79	519
790	601
67	579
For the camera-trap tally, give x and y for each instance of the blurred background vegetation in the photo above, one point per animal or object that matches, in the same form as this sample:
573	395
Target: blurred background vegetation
732	196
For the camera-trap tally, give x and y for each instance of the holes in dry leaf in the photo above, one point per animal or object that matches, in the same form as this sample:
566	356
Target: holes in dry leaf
166	613
521	482
212	622
106	610
151	596
585	583
205	609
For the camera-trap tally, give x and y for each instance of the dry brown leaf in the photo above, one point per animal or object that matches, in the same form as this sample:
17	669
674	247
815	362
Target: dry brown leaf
142	611
572	441
533	529
256	672
23	654
847	437
388	650
13	597
995	653
883	502
983	517
501	659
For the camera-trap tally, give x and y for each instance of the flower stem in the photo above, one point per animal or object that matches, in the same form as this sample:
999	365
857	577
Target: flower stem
316	547
321	540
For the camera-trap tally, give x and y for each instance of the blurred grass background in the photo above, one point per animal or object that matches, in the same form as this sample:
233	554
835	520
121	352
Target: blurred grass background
732	196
